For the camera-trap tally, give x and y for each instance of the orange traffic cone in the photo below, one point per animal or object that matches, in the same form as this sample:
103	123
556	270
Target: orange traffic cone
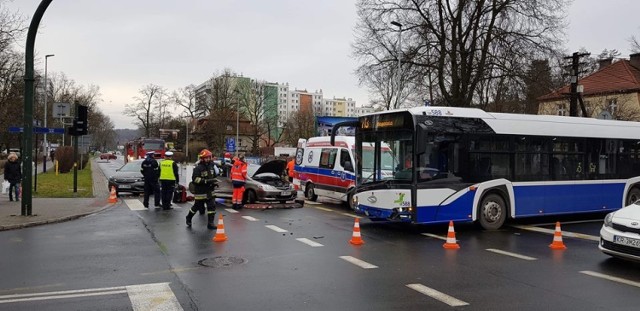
113	198
451	238
220	235
356	239
557	238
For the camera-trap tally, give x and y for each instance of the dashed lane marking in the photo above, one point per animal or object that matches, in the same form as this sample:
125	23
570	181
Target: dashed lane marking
231	210
442	297
157	296
350	215
309	242
249	218
431	235
564	233
311	202
135	205
276	228
360	263
611	278
323	208
497	251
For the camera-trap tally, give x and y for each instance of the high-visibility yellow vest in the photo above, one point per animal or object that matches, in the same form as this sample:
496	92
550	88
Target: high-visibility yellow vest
166	170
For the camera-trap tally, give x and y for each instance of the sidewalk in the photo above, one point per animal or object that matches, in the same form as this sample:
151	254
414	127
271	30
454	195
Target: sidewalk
52	210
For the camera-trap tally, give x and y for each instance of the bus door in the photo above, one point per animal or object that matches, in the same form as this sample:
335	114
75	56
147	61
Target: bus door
344	171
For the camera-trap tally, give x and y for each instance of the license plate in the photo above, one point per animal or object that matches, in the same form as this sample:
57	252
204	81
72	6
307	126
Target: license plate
285	193
124	187
626	241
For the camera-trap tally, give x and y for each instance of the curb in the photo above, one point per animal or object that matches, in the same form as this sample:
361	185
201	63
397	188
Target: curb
55	220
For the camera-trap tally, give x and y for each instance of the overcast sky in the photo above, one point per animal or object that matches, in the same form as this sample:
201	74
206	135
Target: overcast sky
123	45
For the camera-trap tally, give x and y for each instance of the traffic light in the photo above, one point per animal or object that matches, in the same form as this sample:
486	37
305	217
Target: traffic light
80	123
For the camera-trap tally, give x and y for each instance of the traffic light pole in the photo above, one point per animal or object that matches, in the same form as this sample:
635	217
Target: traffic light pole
27	157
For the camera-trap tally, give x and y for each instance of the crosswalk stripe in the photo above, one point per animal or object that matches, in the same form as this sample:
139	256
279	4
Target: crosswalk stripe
157	296
135	205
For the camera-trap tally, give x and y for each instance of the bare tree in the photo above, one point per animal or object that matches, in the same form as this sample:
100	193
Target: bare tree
143	107
223	102
185	98
300	124
461	43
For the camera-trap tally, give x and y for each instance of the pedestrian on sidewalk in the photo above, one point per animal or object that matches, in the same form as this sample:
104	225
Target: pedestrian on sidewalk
151	172
168	179
13	174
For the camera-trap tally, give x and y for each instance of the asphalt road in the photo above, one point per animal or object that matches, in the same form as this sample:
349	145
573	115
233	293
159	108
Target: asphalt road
128	258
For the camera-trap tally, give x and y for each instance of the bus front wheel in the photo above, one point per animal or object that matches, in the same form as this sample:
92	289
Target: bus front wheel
492	212
633	196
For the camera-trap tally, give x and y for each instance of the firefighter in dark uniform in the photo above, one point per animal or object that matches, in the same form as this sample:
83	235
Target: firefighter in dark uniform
151	172
168	179
204	180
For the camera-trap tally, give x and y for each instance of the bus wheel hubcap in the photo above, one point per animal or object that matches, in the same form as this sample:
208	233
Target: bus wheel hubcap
492	211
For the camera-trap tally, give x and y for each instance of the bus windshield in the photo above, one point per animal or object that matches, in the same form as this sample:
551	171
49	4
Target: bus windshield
386	156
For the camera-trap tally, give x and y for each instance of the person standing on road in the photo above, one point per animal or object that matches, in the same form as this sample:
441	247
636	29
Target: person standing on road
238	179
204	180
151	172
13	174
168	179
290	169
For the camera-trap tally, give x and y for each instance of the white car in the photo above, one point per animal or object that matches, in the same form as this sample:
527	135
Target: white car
620	233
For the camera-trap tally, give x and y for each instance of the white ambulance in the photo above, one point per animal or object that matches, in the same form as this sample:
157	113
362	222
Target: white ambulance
325	170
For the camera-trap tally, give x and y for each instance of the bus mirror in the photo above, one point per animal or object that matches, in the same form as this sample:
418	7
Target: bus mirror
421	139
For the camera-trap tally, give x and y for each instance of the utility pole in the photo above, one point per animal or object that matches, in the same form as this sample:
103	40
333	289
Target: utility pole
575	68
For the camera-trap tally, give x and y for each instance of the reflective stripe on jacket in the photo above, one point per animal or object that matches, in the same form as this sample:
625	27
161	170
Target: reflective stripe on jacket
166	170
239	171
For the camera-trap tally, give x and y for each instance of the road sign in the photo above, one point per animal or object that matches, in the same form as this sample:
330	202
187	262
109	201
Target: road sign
37	130
231	144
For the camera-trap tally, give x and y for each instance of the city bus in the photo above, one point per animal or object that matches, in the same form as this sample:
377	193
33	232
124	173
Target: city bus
468	165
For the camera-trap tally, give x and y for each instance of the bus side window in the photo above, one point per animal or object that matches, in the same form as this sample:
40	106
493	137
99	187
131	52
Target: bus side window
484	168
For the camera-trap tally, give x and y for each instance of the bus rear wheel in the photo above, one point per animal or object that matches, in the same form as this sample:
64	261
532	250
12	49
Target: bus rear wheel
310	193
492	212
633	196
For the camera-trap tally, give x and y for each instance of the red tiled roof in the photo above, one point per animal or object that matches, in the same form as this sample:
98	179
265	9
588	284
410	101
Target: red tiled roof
619	77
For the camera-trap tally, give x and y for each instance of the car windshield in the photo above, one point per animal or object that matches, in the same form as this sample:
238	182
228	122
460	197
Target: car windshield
131	167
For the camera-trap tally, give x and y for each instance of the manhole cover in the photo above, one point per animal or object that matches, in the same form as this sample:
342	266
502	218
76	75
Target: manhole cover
221	261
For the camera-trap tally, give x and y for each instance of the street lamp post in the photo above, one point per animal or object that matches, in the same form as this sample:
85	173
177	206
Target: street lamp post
398	49
46	144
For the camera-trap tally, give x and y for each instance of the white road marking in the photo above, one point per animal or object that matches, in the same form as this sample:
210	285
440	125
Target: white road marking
276	228
323	208
454	302
564	233
309	242
350	215
497	251
135	205
231	210
358	262
611	278
435	236
157	296
311	202
249	218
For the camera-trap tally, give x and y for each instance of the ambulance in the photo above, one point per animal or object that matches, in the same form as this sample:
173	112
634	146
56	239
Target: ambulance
325	170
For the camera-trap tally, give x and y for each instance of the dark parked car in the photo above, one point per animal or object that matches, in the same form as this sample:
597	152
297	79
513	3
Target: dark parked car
108	156
264	183
128	178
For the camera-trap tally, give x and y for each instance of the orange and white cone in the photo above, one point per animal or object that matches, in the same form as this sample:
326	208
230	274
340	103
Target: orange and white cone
451	242
113	198
356	238
557	238
220	235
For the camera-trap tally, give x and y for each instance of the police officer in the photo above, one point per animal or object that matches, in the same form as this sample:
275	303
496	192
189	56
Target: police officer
204	178
238	179
151	172
168	179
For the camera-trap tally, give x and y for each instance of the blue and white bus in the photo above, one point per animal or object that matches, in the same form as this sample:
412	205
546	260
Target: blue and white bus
465	164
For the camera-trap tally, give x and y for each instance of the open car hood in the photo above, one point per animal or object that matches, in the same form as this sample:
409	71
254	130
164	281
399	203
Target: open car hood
273	166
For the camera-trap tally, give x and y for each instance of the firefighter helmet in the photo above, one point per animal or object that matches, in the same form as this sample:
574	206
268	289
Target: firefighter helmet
205	153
